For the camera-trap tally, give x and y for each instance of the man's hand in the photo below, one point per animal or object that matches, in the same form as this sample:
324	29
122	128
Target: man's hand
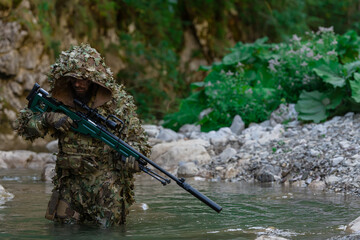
132	164
59	121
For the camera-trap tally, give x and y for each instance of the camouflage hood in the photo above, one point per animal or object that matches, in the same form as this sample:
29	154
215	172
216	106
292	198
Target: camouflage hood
82	62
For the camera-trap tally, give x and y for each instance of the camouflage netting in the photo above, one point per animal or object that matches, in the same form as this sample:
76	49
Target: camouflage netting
82	62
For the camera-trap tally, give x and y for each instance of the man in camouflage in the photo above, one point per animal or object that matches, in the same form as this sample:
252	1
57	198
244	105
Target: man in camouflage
92	183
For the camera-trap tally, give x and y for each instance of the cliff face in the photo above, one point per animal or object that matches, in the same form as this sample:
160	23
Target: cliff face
23	62
27	50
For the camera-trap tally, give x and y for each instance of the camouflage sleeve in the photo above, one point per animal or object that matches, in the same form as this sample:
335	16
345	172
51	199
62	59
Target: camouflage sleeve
30	125
133	133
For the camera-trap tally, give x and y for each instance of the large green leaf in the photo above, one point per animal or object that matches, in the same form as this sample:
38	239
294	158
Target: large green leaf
330	76
196	85
236	57
355	87
335	97
312	106
351	67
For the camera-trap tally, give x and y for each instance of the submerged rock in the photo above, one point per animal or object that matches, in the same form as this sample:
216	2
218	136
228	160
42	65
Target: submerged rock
354	226
4	195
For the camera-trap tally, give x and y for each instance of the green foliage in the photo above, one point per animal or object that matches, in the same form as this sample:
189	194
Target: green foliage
253	79
340	91
313	106
355	87
239	84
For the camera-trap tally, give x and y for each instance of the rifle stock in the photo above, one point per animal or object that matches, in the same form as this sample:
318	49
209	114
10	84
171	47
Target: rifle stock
95	125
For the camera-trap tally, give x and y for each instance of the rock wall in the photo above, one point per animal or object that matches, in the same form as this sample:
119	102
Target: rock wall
22	63
24	60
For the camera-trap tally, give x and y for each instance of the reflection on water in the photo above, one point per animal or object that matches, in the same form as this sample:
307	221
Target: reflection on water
171	213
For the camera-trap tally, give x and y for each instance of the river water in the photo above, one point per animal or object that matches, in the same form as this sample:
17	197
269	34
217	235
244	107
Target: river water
169	212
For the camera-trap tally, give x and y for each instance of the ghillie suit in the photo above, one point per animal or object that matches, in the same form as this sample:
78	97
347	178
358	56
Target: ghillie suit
91	183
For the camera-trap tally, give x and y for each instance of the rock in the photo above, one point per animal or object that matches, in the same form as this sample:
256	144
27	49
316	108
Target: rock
169	155
262	135
332	179
317	185
336	161
265	174
3	164
227	154
168	135
14	36
354	226
48	172
10	114
284	113
270	237
230	172
220	138
189	129
16	88
237	125
9	63
5	195
205	112
344	144
53	146
23	159
152	130
187	169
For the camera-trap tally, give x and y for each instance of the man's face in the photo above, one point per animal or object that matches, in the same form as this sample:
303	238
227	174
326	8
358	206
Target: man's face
80	86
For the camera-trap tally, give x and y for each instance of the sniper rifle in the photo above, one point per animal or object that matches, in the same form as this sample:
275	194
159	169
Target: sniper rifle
97	126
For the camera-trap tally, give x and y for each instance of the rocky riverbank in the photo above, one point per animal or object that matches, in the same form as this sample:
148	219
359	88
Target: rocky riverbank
281	150
322	156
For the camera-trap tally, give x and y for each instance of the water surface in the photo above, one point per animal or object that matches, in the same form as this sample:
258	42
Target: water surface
169	212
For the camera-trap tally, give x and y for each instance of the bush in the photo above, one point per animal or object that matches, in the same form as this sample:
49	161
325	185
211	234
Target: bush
318	72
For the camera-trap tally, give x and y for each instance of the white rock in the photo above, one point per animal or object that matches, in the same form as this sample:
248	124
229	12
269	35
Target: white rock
204	113
188	169
189	128
227	154
270	237
168	135
332	179
344	144
336	161
171	154
53	146
231	172
152	130
354	226
24	159
48	172
5	195
237	125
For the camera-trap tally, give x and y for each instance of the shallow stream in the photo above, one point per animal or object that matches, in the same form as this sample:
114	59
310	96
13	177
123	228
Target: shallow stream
169	212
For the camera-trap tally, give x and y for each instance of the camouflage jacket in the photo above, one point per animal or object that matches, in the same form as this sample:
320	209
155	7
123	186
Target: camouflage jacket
109	98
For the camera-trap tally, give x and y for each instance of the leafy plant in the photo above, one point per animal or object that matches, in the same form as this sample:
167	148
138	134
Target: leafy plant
240	84
253	79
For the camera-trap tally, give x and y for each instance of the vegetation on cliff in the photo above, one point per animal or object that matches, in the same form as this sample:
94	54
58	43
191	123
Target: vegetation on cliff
156	48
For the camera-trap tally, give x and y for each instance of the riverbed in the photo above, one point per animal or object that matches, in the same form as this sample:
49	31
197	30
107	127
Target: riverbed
169	212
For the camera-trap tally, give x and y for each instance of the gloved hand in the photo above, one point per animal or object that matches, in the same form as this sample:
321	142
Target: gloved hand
131	163
59	121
